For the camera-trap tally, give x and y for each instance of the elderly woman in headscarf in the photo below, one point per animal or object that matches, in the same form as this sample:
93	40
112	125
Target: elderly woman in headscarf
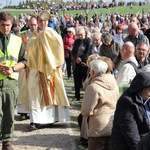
110	49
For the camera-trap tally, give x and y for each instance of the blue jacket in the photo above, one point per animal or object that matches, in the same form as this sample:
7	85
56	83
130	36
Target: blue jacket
51	24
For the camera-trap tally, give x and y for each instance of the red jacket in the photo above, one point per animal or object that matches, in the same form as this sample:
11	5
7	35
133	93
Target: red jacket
68	41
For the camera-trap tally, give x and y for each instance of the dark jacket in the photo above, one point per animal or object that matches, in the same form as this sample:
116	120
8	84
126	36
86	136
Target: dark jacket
130	120
112	52
147	34
144	144
87	44
140	38
143	63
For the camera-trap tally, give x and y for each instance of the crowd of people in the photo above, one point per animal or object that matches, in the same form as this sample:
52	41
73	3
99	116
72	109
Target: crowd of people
107	56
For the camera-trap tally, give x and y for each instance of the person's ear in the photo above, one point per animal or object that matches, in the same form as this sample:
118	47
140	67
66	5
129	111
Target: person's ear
92	73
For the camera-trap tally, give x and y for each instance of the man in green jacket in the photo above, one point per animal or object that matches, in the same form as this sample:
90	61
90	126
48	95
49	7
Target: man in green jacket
12	59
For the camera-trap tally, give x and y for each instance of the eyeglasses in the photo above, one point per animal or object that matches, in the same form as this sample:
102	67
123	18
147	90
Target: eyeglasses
69	31
141	49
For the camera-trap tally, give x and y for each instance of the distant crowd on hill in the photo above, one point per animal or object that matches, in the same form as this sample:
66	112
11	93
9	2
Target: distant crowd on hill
77	6
61	23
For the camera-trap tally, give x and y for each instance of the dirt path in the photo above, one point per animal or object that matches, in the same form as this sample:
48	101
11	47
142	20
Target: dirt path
56	137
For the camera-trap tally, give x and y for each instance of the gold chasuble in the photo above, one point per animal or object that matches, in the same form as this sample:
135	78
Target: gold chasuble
46	55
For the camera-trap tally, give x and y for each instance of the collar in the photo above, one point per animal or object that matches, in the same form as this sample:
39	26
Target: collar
142	63
136	37
96	46
1	35
139	99
133	59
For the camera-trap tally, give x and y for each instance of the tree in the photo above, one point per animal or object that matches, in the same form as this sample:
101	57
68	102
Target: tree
147	1
101	1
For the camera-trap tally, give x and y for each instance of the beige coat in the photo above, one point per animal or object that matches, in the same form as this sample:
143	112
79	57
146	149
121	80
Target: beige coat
99	104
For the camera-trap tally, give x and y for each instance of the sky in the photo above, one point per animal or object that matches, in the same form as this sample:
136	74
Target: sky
16	2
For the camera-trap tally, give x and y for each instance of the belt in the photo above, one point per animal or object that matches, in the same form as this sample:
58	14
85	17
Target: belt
2	81
8	78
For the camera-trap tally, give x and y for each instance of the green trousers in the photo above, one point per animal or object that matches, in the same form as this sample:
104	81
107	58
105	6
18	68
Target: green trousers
8	102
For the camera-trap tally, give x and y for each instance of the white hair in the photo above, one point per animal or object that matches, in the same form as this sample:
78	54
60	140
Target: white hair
96	36
99	67
80	30
133	26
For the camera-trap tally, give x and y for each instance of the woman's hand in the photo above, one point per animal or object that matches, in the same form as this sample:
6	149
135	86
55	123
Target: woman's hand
78	60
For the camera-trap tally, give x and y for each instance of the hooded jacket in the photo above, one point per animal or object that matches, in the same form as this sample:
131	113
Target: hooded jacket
144	144
130	120
99	104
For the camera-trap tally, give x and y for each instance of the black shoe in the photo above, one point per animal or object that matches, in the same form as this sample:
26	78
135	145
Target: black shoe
33	127
23	117
69	77
84	141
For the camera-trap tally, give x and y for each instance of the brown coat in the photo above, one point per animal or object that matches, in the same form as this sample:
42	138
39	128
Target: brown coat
99	104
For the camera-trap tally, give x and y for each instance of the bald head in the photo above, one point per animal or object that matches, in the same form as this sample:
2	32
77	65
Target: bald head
133	26
127	50
133	29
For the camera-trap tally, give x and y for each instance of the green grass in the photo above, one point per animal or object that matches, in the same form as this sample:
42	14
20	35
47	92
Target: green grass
122	10
104	11
76	105
17	12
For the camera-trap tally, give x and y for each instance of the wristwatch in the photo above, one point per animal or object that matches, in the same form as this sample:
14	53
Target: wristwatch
14	69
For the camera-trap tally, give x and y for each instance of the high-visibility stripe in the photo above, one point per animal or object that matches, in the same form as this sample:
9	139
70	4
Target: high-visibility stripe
23	31
9	58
